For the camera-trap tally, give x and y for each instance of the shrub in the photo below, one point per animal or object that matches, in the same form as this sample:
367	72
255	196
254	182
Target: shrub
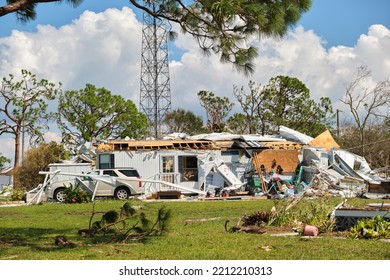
37	159
376	227
76	195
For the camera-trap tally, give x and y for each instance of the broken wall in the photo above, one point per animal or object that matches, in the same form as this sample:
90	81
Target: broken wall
287	159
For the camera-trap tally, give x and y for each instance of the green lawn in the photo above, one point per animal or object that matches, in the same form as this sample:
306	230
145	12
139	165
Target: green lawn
196	232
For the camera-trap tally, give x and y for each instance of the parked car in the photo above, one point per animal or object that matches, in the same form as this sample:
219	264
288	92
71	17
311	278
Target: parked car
116	183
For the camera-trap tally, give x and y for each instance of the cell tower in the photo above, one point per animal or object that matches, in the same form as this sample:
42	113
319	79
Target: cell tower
155	92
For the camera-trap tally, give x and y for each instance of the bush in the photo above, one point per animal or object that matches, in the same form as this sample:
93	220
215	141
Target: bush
37	159
10	194
76	195
376	227
18	195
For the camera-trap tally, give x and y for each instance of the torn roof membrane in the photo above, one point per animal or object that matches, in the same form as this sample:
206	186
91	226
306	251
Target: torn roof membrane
293	135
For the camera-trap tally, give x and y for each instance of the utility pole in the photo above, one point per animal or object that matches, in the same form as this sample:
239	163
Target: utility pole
155	93
338	122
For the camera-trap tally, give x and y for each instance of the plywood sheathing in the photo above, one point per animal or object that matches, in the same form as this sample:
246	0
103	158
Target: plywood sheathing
324	140
287	159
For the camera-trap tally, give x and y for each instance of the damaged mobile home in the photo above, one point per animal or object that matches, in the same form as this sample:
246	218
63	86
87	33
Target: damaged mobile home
221	163
209	163
224	165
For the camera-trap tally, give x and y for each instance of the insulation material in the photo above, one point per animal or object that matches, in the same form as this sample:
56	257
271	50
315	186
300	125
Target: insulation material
287	159
312	156
292	135
324	140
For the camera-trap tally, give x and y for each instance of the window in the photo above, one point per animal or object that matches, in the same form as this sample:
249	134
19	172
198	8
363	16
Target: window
110	173
230	153
168	168
188	168
167	164
106	161
129	172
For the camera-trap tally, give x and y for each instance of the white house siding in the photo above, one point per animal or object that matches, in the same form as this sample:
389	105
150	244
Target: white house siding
149	165
146	162
68	168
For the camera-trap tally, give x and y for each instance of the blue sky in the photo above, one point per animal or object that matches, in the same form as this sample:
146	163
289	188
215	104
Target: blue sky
339	22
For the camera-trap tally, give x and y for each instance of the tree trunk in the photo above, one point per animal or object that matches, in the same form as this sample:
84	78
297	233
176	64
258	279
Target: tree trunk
362	142
17	148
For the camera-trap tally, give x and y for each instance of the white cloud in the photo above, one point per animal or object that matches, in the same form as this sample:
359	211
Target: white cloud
7	148
50	136
98	48
104	49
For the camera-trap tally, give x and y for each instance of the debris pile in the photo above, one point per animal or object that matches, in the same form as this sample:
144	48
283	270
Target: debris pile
329	170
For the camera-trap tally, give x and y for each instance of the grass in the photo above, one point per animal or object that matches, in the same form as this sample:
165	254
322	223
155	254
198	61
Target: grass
196	232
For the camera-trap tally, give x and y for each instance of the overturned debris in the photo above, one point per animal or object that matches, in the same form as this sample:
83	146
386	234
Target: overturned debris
248	229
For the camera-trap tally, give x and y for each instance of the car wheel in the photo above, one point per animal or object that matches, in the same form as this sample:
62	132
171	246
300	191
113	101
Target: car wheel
59	195
122	193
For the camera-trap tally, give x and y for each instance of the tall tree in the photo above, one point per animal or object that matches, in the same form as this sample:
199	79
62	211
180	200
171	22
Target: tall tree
96	113
253	105
183	121
23	107
289	104
283	101
217	109
365	102
222	26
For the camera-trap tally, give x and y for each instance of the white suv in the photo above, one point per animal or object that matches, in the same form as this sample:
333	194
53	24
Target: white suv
118	183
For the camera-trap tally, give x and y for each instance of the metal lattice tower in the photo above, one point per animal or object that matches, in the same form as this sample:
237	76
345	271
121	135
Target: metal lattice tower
155	93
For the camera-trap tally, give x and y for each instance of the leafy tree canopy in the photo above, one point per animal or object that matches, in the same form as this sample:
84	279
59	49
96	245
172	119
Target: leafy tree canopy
96	113
226	27
183	121
238	123
289	104
283	101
